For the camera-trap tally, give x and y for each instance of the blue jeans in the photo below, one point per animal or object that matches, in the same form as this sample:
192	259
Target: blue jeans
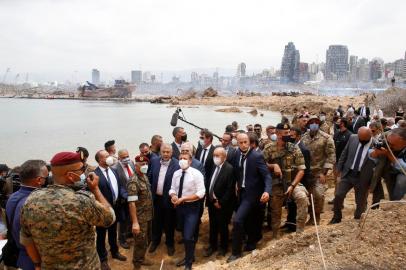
399	189
190	214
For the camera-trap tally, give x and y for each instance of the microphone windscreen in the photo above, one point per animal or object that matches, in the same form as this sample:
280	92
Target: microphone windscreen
174	119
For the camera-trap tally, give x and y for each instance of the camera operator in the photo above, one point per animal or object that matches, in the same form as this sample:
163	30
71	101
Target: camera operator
396	179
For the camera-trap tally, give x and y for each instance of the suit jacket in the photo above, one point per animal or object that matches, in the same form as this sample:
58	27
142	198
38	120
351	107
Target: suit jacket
153	177
198	166
347	159
257	177
307	178
209	165
122	177
108	193
231	153
224	187
175	150
356	124
367	111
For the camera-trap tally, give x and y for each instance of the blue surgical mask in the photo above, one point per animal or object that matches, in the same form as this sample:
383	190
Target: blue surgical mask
83	178
274	137
314	127
126	161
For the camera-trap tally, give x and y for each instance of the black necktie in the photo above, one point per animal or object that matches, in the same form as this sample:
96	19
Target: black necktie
358	159
182	178
203	156
109	182
211	191
243	157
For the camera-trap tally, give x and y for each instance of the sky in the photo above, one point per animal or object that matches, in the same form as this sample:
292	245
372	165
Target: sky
55	39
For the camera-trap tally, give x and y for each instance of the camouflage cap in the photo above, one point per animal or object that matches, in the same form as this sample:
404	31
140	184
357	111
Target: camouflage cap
313	119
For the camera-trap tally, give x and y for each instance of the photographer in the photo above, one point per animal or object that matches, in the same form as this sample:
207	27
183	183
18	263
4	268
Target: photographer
396	179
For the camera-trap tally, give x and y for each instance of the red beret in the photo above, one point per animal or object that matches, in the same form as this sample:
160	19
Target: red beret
141	159
66	158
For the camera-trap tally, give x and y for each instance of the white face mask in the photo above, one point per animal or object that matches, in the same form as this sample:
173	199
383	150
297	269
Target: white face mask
322	118
217	161
144	169
274	137
110	161
234	142
183	164
201	142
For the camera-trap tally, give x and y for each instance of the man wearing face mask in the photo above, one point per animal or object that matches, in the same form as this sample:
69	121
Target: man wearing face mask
116	195
322	151
394	177
145	151
186	191
302	122
205	153
226	143
180	137
141	211
254	186
324	126
125	170
220	193
57	222
33	175
110	147
356	171
160	176
287	164
270	136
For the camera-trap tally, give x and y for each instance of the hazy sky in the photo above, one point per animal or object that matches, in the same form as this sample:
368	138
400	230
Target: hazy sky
61	36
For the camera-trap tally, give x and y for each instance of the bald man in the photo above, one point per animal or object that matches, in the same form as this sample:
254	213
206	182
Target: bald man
220	200
356	170
58	223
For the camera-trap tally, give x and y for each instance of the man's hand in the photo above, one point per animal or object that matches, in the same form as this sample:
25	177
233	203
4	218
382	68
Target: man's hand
322	178
136	228
92	181
277	170
178	201
217	205
289	191
174	199
264	197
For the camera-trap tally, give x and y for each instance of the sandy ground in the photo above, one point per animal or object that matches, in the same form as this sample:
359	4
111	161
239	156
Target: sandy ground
281	251
279	103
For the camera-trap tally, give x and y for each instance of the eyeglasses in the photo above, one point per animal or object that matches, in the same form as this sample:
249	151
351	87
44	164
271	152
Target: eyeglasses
82	169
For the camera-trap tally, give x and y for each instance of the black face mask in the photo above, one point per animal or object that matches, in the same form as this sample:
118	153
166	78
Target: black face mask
363	142
286	139
184	138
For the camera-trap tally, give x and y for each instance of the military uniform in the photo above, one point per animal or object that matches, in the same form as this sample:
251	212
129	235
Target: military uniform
139	192
61	223
290	159
325	127
322	152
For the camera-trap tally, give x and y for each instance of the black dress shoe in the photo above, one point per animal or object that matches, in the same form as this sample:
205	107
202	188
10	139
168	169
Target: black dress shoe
125	245
152	248
335	220
221	252
182	262
119	257
171	250
250	247
233	258
188	267
209	251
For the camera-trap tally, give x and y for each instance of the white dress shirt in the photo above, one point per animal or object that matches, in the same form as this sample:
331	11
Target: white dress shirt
193	183
364	154
161	178
124	166
218	168
245	168
202	158
113	180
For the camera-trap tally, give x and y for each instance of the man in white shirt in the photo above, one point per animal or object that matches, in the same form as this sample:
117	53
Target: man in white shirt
187	189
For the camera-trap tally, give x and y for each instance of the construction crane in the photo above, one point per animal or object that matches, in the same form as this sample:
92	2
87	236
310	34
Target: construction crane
5	75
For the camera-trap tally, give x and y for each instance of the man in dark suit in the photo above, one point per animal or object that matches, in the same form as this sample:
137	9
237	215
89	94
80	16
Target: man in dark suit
227	145
164	219
364	112
220	193
125	169
357	122
356	170
180	136
114	193
254	188
205	153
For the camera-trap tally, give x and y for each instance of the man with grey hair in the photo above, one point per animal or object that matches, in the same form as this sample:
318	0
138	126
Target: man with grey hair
33	175
187	148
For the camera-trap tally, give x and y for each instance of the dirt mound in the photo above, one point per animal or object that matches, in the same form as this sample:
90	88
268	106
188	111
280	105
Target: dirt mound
210	92
380	246
229	109
390	100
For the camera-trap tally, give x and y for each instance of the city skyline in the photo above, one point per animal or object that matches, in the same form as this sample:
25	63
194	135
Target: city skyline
56	38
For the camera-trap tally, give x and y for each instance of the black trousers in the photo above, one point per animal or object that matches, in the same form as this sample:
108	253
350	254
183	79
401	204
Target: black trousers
361	194
164	220
101	241
124	226
218	220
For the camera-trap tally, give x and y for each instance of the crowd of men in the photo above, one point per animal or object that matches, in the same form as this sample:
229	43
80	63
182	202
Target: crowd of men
62	212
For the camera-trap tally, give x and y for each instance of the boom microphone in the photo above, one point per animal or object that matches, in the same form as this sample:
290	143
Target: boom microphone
174	119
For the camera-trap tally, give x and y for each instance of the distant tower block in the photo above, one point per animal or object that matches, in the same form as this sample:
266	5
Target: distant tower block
96	76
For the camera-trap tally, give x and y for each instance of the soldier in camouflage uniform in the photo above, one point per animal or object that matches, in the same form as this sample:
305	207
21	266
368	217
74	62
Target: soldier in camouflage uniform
324	126
287	164
322	152
141	210
58	223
